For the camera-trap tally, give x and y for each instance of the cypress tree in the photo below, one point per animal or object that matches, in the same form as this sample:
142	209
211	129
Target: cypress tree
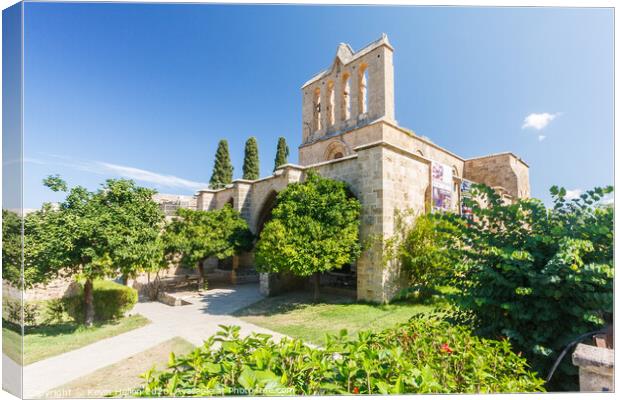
223	169
250	160
281	153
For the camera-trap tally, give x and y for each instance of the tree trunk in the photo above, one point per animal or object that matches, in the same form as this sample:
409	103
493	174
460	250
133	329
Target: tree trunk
317	284
124	279
89	303
201	272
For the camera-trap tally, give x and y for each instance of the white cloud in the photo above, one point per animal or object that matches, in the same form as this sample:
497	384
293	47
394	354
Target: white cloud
151	177
124	171
573	194
541	138
538	121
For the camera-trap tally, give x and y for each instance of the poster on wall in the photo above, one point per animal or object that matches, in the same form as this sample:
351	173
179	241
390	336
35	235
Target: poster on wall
441	176
442	199
466	194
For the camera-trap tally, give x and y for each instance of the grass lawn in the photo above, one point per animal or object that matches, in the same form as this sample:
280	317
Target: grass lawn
124	375
11	344
45	341
295	314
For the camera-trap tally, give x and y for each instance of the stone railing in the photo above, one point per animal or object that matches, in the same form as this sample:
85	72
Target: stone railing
596	368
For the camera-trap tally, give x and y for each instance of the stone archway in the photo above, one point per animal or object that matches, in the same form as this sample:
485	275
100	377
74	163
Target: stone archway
264	214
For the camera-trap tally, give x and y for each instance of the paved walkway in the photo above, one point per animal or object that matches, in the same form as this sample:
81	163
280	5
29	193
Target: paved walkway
194	322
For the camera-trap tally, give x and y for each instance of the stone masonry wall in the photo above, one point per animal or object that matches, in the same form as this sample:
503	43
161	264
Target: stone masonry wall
501	170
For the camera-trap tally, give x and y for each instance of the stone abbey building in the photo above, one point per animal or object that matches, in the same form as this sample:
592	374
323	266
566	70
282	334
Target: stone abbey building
349	132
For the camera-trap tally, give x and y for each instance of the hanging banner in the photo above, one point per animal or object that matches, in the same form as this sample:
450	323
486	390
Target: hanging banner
466	194
441	175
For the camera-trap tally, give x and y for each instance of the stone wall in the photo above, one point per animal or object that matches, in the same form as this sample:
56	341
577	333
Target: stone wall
503	170
56	289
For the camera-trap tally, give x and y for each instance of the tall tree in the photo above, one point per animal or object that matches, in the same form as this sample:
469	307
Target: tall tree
113	231
314	228
222	169
250	161
281	153
196	235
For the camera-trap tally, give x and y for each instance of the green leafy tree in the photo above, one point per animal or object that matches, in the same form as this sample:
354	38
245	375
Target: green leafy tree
222	169
281	153
96	235
11	247
251	170
314	228
197	235
539	276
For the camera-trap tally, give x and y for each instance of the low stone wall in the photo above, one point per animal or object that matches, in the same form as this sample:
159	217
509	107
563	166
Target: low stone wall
171	300
56	289
596	368
273	284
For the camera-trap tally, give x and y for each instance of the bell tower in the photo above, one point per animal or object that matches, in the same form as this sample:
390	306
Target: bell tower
357	89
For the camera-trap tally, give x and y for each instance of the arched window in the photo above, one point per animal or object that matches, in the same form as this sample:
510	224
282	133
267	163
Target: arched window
346	99
330	103
316	112
362	93
335	149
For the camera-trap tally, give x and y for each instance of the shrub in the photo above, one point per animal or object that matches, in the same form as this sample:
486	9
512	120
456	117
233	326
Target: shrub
14	312
55	311
424	355
422	245
111	301
539	276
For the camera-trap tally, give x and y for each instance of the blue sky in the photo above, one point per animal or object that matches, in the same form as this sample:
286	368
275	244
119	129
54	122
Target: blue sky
146	91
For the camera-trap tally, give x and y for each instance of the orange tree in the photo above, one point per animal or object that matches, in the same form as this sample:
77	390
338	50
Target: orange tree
314	228
195	235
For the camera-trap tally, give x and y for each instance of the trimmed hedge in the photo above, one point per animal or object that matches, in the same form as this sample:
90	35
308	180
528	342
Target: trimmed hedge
111	299
424	355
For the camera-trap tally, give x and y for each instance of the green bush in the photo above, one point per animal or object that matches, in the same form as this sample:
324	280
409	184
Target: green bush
111	301
424	355
422	245
536	275
14	312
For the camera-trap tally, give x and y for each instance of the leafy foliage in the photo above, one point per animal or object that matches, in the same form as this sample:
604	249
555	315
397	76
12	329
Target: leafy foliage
424	355
115	230
55	183
111	301
222	169
14	312
421	243
314	228
251	166
11	247
281	153
196	235
539	276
